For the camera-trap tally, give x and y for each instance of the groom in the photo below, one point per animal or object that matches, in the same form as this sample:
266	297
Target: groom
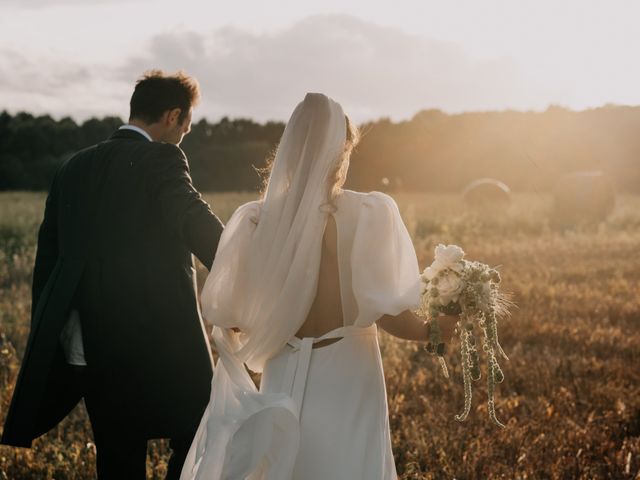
115	316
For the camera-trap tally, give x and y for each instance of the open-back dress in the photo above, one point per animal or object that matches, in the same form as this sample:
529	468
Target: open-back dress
319	413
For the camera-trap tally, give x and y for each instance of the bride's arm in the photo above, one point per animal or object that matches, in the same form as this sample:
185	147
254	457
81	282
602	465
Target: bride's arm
409	326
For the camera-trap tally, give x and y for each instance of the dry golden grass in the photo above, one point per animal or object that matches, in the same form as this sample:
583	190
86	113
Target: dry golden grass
571	397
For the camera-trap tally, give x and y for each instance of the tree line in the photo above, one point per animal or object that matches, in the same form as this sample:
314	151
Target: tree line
433	151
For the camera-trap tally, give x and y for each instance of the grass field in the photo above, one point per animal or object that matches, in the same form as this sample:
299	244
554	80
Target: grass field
571	397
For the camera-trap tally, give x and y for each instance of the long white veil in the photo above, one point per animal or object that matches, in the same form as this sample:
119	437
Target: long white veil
264	280
279	280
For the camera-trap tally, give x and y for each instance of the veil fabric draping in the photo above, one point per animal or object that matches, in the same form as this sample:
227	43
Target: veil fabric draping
280	282
244	433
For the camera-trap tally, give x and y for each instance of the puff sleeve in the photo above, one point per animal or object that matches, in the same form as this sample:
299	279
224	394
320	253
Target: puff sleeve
385	273
222	294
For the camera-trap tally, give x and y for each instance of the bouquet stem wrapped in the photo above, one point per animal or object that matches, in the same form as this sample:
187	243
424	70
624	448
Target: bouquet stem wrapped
453	285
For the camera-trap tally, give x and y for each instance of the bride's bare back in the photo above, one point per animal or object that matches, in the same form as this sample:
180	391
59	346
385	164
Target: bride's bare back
326	311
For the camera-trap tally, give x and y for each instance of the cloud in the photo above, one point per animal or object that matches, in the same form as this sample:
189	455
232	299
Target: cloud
372	70
58	87
21	74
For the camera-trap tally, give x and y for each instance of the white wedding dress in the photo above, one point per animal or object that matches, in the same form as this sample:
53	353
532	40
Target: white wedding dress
320	413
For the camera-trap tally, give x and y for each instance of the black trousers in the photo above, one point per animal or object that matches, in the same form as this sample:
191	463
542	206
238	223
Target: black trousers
121	451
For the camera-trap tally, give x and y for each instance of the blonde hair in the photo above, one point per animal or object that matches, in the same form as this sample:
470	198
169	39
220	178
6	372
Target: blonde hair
337	178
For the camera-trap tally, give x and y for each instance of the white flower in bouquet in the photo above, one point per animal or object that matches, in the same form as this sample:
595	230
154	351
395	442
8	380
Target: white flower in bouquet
454	285
449	287
446	257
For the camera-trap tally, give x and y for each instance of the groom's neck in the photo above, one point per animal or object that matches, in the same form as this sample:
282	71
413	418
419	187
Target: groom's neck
155	134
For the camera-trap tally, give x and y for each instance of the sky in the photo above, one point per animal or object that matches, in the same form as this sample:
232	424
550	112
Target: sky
257	59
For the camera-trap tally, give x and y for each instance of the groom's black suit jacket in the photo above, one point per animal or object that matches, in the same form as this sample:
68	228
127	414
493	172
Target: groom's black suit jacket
121	222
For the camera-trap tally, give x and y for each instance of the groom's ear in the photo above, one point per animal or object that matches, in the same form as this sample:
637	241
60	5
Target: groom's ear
172	117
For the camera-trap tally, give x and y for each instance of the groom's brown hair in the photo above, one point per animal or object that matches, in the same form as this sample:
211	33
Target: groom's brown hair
157	92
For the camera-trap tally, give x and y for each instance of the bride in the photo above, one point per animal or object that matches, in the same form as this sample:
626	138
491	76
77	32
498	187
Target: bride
300	282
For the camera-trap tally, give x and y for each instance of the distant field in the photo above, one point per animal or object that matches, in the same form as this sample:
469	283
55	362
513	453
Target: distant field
571	397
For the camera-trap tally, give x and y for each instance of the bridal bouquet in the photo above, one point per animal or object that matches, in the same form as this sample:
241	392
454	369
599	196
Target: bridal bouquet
453	285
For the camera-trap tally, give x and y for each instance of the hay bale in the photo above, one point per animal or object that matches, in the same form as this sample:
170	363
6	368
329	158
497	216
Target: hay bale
487	192
583	196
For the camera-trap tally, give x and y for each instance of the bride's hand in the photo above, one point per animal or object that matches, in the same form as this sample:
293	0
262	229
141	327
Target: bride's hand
447	325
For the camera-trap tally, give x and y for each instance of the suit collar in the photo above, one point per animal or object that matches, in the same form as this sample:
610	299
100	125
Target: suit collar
128	134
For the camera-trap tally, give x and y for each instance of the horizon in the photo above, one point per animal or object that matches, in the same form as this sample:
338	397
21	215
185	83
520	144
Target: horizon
197	118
